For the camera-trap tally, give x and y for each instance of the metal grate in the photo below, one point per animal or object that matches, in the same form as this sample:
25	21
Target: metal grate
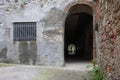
24	31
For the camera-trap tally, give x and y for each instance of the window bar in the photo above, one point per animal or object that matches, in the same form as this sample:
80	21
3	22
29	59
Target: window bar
24	31
14	32
20	33
32	31
35	32
17	32
28	31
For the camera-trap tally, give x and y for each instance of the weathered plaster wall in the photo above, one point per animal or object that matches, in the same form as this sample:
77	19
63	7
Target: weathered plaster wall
50	18
109	38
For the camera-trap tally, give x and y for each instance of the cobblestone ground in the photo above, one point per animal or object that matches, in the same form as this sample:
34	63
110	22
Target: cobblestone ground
25	72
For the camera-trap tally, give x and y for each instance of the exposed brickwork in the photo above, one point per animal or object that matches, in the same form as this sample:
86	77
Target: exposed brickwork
49	16
94	6
109	38
91	4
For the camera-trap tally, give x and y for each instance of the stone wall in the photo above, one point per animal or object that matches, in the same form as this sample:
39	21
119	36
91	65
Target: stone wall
50	17
109	38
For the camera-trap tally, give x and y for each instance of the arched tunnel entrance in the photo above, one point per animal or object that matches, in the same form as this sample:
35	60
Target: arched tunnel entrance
78	40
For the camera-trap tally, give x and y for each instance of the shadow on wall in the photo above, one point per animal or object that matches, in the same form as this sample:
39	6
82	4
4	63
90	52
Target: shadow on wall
3	54
27	52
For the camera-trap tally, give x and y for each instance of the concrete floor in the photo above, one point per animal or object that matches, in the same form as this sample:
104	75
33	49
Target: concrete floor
72	71
78	65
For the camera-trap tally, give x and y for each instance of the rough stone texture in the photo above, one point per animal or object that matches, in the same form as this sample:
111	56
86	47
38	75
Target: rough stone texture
3	54
33	52
109	38
50	18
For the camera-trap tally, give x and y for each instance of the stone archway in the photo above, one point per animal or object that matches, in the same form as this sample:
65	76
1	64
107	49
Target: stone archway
79	32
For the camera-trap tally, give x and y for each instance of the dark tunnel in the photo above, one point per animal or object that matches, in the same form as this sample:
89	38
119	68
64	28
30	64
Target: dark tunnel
78	39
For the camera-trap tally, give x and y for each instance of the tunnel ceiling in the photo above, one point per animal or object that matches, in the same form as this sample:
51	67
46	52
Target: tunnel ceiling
81	8
73	22
79	14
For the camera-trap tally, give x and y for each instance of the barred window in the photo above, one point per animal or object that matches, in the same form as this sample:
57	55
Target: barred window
24	31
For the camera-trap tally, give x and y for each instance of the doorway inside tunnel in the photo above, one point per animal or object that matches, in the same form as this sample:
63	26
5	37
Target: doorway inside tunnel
78	38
